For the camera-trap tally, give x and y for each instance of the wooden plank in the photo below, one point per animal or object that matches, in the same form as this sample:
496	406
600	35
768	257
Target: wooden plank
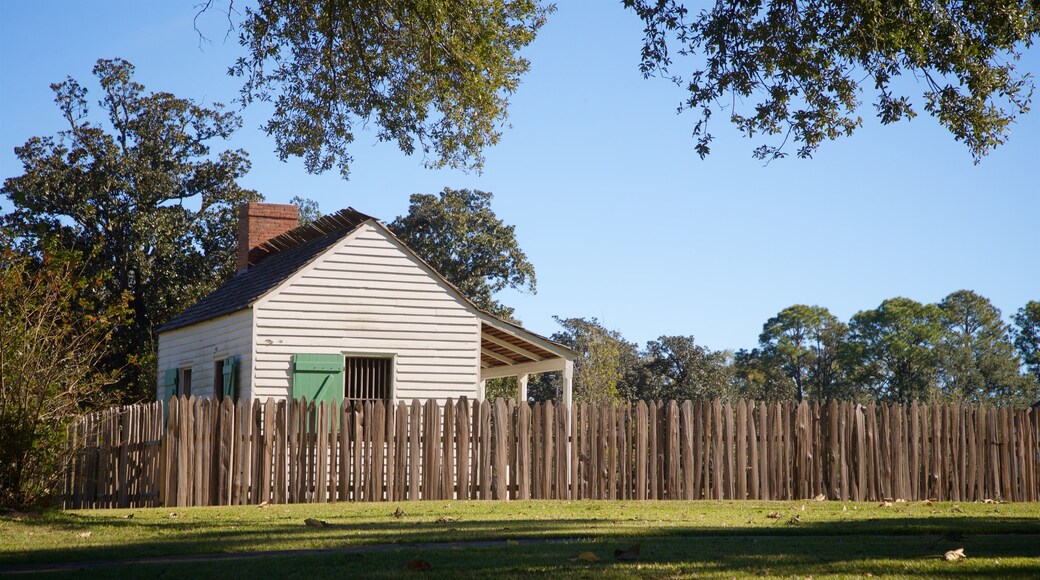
500	436
545	472
414	453
401	452
321	452
718	444
523	454
673	453
357	450
463	423
561	452
754	478
378	465
861	455
572	452
270	414
281	452
686	434
485	450
653	460
729	473
448	452
641	450
764	485
537	448
610	449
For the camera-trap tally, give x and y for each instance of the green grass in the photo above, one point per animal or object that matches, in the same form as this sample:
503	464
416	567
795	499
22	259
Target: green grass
681	539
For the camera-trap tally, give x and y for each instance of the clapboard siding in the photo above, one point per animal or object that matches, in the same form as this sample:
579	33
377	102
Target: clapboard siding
369	296
200	345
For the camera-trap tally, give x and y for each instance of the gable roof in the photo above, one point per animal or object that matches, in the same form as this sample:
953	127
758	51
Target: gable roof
281	257
284	255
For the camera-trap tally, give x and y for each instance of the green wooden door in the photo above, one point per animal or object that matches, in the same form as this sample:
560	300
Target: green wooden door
319	377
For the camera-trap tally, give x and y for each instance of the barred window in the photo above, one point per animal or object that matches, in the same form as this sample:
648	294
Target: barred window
367	378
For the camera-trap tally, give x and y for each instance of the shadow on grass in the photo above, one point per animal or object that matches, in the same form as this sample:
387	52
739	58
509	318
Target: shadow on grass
670	556
763	540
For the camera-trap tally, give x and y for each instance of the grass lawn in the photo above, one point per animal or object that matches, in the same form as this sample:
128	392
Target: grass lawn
678	539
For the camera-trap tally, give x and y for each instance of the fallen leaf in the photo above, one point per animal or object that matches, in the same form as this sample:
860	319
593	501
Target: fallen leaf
844	508
627	555
263	504
398	512
900	500
420	565
444	520
955	555
820	497
927	502
773	515
84	534
173	515
128	517
585	557
886	503
315	523
795	519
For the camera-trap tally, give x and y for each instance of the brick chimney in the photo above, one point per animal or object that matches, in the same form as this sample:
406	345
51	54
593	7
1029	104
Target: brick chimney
259	222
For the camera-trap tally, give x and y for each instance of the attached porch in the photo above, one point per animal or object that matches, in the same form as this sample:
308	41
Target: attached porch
508	350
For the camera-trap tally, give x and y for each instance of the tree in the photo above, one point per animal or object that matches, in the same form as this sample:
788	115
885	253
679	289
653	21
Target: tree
977	360
460	236
434	76
675	367
757	377
142	197
801	66
1027	335
52	340
894	349
804	342
604	361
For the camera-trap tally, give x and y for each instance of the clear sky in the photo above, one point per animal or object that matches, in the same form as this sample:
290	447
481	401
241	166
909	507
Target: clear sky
620	218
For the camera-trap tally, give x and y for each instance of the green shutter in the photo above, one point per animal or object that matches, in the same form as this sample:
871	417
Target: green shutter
170	384
319	377
230	373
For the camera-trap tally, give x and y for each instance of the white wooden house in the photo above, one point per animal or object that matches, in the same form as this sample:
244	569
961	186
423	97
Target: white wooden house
341	309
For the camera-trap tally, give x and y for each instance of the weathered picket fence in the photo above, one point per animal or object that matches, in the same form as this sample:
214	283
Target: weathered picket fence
211	453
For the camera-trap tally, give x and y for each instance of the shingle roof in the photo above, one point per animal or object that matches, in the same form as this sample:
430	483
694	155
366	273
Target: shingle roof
284	256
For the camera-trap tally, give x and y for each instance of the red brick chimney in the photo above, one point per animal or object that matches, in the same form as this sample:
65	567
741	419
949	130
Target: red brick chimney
259	222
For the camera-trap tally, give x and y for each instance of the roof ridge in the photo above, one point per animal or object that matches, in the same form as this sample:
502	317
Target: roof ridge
344	219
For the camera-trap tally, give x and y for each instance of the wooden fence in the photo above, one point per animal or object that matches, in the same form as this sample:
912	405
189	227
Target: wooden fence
279	452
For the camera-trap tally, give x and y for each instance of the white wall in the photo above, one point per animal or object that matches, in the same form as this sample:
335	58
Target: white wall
200	345
369	297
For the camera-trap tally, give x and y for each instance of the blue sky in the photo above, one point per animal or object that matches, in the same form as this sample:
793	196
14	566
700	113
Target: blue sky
621	219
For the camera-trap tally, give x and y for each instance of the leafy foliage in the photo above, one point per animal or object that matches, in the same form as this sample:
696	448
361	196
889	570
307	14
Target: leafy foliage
460	236
804	342
977	360
675	367
1027	335
894	345
434	76
804	65
52	341
124	195
604	360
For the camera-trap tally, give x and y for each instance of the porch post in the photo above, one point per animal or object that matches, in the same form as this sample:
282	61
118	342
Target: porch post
523	386
568	382
482	390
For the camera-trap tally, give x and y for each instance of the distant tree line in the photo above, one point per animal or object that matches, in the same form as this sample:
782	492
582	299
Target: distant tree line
958	350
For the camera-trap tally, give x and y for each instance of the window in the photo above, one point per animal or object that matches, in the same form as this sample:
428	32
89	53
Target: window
367	378
225	378
184	387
